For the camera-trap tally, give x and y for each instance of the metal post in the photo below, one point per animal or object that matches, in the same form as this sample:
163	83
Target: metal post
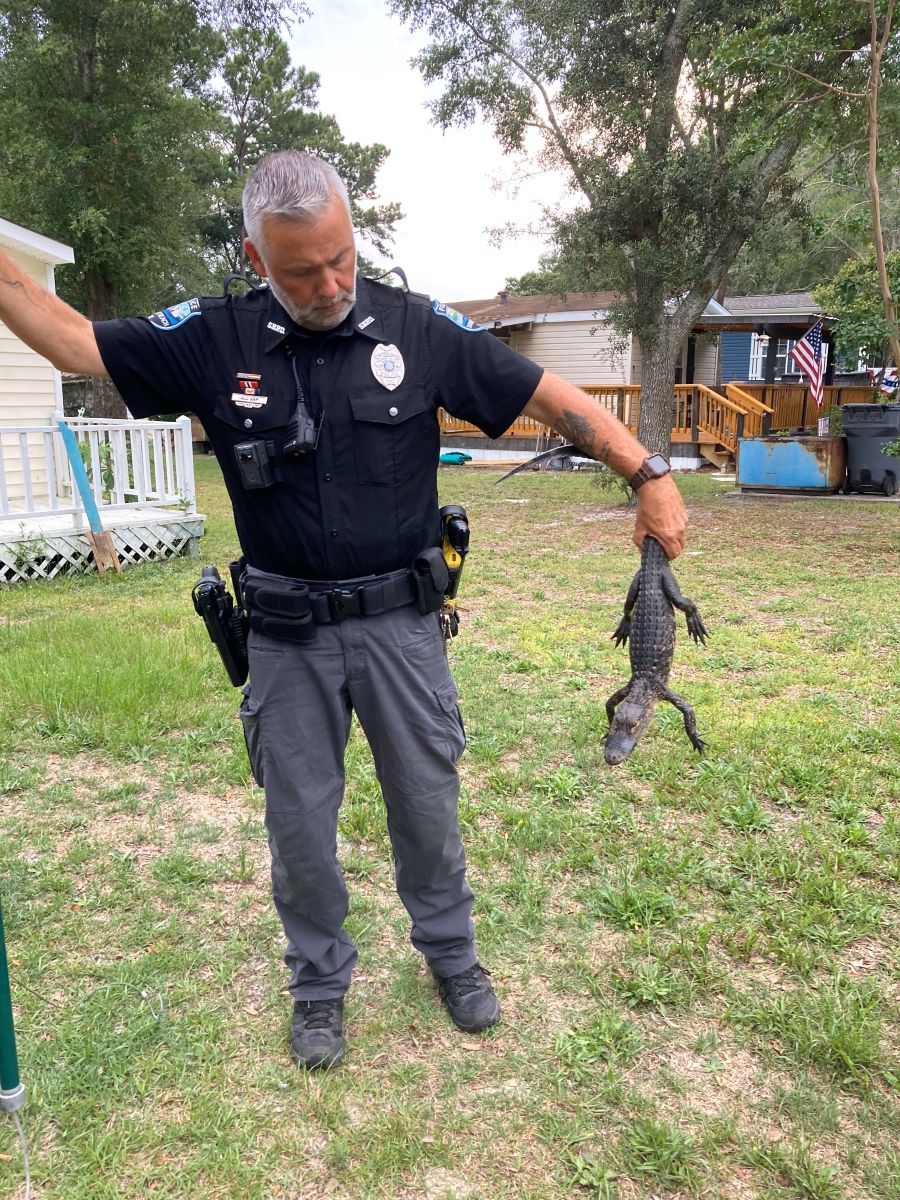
12	1092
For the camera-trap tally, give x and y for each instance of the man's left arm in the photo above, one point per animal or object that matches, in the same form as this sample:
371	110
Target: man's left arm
598	434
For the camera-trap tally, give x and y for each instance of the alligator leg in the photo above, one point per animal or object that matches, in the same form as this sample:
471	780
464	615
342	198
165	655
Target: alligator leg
616	698
620	637
690	721
695	625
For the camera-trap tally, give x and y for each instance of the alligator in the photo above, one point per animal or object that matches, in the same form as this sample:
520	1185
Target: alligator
652	598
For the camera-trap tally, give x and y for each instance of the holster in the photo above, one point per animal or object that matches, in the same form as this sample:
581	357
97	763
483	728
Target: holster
432	579
225	623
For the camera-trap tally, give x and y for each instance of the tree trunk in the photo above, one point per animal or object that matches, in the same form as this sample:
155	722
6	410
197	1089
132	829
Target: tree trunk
102	399
875	59
657	395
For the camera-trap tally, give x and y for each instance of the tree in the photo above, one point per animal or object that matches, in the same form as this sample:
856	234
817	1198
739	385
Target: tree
881	62
98	100
854	295
268	105
126	128
677	139
830	222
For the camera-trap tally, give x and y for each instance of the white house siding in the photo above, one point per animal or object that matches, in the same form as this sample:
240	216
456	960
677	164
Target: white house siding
29	394
579	351
637	361
706	362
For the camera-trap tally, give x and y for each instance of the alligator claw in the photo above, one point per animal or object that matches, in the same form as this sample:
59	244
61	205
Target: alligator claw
623	630
696	628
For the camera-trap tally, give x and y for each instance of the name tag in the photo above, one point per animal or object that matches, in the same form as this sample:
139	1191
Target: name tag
243	400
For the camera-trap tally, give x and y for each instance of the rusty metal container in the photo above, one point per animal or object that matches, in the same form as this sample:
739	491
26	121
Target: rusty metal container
795	464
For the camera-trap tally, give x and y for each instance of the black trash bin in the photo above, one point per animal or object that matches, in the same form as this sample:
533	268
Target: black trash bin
868	428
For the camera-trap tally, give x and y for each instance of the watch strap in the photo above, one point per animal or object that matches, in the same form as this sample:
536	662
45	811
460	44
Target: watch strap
645	471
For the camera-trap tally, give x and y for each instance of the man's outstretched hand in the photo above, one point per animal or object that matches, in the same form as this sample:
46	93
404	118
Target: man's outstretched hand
661	512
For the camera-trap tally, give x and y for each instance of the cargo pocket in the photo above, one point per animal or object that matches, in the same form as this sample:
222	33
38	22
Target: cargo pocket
249	714
448	698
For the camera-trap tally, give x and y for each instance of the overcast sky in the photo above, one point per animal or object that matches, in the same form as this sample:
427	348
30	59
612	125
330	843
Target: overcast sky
446	183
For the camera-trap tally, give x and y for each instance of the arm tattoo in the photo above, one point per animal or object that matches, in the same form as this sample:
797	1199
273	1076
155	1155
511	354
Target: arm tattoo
581	433
13	283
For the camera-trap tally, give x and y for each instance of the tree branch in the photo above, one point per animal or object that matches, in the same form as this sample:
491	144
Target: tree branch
826	87
558	135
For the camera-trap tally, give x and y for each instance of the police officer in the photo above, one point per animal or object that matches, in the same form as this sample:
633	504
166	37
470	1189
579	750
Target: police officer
319	395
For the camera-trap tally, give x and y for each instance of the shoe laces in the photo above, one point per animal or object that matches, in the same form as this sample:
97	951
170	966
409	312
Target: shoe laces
466	982
317	1014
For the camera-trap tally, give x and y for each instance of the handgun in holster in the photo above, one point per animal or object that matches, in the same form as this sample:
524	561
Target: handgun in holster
226	622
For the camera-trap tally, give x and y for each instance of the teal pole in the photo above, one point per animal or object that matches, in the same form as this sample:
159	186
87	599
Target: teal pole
12	1092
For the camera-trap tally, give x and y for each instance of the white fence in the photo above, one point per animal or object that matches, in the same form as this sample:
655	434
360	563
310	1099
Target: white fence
149	463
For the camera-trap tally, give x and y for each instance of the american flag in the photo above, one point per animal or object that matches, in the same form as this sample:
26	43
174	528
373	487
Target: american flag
807	354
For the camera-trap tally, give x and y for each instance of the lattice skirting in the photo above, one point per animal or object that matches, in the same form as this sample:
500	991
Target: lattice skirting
53	555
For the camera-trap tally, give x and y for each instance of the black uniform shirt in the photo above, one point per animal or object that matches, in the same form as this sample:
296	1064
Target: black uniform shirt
365	501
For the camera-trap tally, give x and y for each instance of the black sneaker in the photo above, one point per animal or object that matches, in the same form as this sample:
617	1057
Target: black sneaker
317	1033
470	999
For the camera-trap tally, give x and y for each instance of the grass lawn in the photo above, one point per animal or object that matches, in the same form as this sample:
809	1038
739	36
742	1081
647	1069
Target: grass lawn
697	958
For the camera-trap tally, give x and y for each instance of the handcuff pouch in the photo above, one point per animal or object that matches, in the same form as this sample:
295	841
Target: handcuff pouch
431	578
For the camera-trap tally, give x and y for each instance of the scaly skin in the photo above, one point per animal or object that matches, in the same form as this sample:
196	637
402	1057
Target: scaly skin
649	622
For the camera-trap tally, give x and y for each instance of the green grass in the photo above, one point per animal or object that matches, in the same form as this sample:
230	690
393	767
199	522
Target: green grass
697	958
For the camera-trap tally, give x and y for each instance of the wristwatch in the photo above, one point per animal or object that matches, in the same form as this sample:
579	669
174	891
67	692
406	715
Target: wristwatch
653	467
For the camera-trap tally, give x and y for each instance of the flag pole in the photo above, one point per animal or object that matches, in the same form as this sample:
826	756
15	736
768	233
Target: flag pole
12	1091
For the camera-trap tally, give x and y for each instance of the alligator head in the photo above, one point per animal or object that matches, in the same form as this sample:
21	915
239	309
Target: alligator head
630	720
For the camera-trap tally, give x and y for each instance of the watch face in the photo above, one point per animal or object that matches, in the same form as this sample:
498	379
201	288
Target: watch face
657	465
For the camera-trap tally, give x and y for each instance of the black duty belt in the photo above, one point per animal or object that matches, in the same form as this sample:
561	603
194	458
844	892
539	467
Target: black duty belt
290	609
336	603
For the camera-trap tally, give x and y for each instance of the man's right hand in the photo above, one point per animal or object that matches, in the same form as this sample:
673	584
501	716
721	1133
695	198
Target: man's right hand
661	513
47	324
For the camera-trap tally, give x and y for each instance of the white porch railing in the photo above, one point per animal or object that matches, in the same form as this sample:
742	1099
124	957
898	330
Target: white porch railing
128	462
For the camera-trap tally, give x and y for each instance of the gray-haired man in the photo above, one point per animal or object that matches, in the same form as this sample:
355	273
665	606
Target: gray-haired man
319	394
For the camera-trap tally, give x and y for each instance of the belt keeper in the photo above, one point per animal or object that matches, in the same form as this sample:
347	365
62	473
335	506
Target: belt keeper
303	629
372	600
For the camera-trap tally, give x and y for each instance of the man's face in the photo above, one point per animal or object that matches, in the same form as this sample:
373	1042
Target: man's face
311	268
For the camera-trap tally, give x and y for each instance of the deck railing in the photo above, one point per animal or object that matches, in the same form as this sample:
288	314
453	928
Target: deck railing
744	410
701	410
522	427
623	402
794	408
128	462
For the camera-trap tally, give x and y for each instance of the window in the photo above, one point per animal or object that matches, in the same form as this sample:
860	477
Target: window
757	358
784	363
789	367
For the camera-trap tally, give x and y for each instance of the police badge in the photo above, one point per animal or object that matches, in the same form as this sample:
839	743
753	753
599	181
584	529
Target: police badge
387	366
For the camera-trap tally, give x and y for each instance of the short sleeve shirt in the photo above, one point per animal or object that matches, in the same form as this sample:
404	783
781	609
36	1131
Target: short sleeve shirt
365	500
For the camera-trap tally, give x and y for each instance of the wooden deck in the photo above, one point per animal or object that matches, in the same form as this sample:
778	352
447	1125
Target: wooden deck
141	474
52	545
711	419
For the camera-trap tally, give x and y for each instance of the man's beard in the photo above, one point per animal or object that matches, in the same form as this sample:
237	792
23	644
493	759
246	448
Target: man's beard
311	316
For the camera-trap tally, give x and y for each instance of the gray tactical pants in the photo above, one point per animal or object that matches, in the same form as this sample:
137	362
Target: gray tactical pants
391	670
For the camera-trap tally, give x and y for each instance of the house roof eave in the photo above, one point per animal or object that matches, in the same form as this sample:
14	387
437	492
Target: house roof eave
17	237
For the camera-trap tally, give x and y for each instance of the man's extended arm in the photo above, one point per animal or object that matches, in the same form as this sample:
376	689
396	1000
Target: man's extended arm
597	433
47	324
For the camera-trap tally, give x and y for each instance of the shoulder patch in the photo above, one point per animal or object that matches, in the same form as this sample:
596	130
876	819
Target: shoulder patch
171	318
444	310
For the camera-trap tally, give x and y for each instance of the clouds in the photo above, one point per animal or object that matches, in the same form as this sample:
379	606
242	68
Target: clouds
445	182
